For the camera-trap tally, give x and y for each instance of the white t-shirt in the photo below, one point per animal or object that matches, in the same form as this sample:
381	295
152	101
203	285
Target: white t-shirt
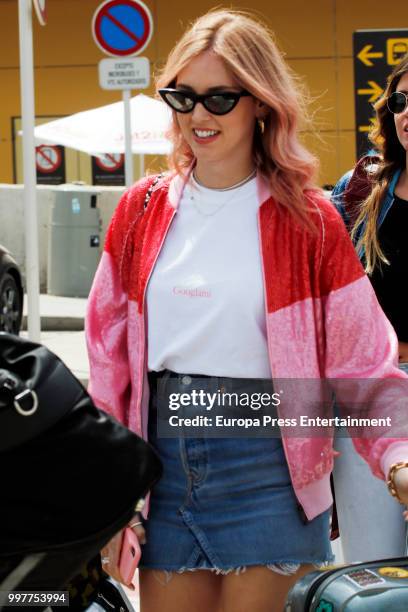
205	298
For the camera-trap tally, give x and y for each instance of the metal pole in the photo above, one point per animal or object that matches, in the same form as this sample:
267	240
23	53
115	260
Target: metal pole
128	139
29	171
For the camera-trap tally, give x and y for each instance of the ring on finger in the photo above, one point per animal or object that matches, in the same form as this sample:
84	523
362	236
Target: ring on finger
135	524
104	560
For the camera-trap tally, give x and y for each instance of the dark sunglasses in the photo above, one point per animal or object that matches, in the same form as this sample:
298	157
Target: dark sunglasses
219	103
397	102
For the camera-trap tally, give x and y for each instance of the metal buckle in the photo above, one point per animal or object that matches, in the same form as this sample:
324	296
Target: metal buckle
9	384
22	395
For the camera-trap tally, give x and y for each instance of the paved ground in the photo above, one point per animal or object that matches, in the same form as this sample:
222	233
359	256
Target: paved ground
62	324
71	348
60	313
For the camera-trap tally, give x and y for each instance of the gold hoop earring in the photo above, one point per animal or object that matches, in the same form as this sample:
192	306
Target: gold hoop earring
261	125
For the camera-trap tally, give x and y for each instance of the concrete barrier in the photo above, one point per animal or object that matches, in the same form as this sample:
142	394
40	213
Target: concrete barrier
12	219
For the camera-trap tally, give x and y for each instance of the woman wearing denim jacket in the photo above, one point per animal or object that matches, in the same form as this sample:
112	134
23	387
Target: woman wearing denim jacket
374	206
233	267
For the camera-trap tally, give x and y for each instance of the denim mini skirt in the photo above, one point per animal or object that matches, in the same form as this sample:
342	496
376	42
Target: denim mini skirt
223	504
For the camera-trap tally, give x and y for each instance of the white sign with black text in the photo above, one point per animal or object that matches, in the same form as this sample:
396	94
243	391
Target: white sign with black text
124	73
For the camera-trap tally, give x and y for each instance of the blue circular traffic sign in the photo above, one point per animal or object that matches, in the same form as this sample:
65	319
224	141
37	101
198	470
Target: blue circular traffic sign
122	27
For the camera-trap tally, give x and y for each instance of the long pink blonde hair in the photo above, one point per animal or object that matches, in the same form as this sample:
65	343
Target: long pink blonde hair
248	50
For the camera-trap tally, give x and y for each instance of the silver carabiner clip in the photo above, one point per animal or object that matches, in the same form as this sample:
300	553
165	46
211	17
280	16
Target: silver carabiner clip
22	395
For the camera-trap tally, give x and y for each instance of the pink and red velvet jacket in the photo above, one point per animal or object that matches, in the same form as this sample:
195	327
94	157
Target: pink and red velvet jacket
323	320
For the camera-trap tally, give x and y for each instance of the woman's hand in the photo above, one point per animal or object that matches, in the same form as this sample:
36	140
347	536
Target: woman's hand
401	487
137	525
110	554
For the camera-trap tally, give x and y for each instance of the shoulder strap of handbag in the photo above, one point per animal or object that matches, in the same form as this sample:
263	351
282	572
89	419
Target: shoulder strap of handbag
151	188
359	187
129	242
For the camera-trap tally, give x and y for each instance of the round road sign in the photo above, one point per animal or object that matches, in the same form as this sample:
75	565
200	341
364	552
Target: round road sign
39	6
122	27
47	158
110	161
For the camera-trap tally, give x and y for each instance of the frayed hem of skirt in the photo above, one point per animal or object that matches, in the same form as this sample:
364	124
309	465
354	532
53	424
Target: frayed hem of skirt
284	568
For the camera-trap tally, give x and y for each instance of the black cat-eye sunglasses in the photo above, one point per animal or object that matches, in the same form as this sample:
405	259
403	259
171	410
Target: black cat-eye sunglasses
219	103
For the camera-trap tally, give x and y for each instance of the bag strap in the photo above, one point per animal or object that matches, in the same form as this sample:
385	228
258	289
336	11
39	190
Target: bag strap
359	187
128	242
151	189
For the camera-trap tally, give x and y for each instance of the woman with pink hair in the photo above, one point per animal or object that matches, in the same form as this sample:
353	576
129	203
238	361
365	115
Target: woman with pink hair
226	274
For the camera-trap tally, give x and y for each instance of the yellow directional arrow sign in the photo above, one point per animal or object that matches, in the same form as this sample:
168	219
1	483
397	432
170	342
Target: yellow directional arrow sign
366	54
368	128
374	93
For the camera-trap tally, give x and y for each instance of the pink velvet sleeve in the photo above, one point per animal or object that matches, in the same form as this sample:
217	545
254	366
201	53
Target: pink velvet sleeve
106	326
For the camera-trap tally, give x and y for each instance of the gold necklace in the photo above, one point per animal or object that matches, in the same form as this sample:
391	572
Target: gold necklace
204	211
235	186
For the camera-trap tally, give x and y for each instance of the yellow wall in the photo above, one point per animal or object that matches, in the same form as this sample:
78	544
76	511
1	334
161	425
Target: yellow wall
316	37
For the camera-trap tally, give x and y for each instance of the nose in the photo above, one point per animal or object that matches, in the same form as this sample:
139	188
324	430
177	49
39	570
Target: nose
200	113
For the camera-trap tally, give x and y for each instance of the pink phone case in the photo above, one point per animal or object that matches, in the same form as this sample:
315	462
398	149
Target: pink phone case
129	556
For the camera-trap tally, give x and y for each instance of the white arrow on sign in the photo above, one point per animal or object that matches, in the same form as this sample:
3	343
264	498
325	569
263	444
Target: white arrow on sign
40	9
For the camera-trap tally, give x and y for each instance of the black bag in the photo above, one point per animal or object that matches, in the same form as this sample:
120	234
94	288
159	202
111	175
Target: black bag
71	474
375	586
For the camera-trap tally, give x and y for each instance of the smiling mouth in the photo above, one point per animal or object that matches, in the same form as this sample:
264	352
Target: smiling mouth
205	133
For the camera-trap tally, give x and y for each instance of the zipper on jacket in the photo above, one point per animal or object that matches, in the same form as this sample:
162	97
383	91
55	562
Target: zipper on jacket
268	339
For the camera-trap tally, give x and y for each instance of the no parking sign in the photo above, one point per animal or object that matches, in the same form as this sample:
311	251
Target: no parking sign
122	27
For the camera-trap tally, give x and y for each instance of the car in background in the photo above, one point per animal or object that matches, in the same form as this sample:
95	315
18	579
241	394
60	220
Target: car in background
11	293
